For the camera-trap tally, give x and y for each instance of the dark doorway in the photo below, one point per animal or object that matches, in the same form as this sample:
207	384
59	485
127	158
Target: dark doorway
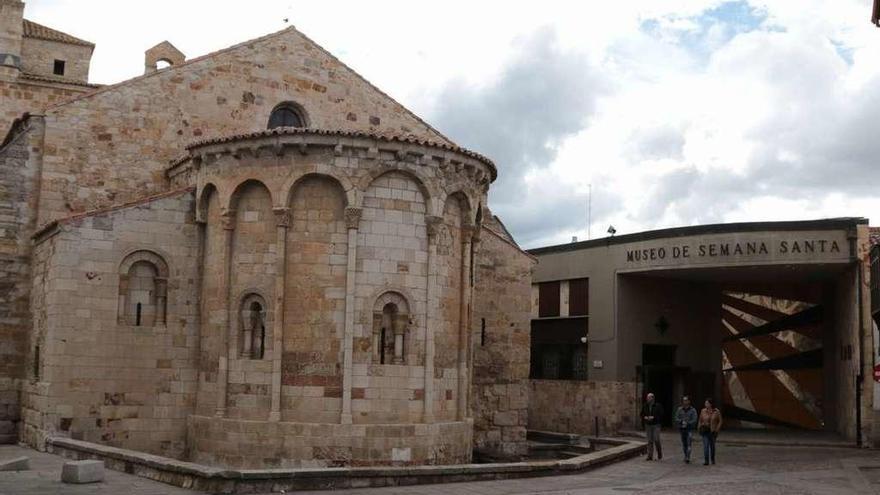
659	375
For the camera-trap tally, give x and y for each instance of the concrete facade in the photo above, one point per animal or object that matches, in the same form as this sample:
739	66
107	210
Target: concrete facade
189	283
689	292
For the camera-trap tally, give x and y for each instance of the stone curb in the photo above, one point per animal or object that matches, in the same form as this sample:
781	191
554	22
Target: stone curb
200	477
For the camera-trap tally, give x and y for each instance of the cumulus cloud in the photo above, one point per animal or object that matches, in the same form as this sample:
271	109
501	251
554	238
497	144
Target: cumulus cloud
542	95
815	141
655	143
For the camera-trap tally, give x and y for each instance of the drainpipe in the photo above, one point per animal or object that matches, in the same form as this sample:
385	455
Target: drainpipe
860	377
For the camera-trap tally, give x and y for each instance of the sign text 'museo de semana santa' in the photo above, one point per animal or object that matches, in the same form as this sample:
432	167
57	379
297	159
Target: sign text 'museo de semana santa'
781	248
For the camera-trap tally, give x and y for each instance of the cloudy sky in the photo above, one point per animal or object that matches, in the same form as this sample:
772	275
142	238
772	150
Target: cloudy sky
677	112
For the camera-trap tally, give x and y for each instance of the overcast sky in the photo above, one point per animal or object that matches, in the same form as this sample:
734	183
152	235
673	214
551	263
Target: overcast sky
678	112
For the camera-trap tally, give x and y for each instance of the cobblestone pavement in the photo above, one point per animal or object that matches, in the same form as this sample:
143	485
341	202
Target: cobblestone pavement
44	478
754	470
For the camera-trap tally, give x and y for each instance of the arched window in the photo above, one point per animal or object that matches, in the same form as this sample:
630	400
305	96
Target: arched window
253	327
390	329
143	286
287	115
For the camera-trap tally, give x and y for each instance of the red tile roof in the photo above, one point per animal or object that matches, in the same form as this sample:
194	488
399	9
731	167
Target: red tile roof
41	32
391	138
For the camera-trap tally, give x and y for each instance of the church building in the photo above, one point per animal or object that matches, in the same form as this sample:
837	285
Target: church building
249	259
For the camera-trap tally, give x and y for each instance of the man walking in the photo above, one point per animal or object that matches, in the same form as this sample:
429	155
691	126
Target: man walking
686	420
652	415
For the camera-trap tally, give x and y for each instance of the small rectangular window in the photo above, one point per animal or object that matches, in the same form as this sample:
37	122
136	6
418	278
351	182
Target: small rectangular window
548	299
578	297
37	362
58	70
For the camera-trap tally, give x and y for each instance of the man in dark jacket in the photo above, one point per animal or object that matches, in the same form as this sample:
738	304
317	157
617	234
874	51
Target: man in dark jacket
652	415
686	422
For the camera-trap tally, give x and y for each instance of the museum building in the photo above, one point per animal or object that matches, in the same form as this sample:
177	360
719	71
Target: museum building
771	319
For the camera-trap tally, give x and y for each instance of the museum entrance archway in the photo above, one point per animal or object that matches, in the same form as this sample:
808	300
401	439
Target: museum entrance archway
770	344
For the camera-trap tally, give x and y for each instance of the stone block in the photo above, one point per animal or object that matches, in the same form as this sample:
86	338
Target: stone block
15	464
79	472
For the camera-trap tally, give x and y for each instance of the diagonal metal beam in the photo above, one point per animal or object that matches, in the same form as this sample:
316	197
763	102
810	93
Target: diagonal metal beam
804	360
733	412
808	316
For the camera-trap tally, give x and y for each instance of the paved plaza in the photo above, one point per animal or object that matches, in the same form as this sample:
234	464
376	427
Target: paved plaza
752	469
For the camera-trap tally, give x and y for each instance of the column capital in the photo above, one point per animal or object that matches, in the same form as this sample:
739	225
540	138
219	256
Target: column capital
432	224
353	216
227	219
282	217
468	233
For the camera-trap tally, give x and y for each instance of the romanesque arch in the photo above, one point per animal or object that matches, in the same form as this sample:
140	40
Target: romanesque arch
345	185
143	287
429	193
255	335
391	328
204	196
235	198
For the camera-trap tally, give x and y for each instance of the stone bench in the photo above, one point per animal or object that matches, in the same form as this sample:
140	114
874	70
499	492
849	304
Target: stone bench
79	472
15	464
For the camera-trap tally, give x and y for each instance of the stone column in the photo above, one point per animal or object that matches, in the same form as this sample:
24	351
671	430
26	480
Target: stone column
398	325
161	300
227	221
352	220
122	311
282	222
247	335
432	224
472	281
467	232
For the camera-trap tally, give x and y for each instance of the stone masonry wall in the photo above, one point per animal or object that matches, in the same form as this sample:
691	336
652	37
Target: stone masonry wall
38	57
240	444
19	171
500	339
391	256
314	305
18	97
334	192
571	406
101	379
114	145
253	268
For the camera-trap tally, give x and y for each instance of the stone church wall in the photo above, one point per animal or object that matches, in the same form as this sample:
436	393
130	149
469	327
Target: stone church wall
314	302
500	341
391	256
114	145
19	176
103	373
19	97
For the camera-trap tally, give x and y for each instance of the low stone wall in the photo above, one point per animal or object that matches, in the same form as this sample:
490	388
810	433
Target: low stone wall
243	444
218	480
571	406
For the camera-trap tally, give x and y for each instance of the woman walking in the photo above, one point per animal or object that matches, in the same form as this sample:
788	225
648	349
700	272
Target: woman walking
709	426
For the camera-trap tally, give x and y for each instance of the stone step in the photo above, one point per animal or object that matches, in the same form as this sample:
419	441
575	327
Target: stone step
8	438
15	464
79	472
